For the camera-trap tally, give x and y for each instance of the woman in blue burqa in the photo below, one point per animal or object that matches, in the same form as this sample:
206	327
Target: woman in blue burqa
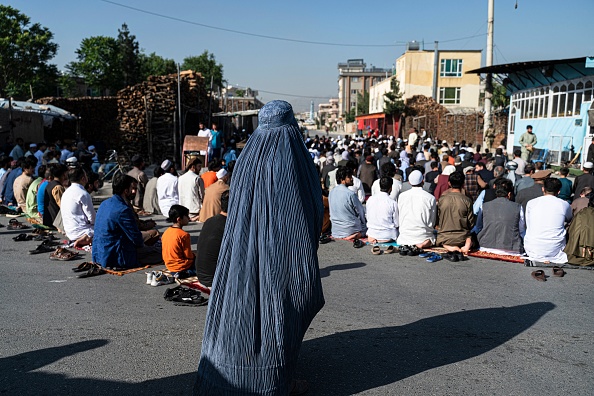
267	287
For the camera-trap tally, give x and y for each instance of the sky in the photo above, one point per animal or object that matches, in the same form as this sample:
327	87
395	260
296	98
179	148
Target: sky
319	34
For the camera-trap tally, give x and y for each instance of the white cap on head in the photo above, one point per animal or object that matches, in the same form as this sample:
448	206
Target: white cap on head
221	173
165	165
71	160
415	178
588	165
448	170
33	145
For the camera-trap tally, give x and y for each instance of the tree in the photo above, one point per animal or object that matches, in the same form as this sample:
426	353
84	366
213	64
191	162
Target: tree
155	65
500	99
67	85
25	50
207	66
98	63
240	93
362	103
394	105
393	102
128	56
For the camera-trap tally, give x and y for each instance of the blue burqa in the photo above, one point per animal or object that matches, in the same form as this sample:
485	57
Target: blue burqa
267	287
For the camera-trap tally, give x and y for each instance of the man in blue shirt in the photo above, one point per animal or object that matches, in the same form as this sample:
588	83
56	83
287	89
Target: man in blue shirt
8	188
118	242
216	141
346	212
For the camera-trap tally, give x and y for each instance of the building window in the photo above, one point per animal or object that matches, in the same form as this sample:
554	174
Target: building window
449	96
451	68
353	104
354	92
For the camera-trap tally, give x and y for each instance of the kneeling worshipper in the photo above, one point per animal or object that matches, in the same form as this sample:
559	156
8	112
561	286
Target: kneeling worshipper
546	217
580	242
267	286
500	223
78	213
455	217
347	215
382	214
118	242
417	212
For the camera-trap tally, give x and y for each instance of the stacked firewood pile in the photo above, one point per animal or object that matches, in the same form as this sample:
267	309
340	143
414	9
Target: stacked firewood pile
98	119
455	125
148	116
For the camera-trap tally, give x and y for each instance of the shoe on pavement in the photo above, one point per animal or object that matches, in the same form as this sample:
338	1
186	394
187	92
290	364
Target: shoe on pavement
149	277
161	279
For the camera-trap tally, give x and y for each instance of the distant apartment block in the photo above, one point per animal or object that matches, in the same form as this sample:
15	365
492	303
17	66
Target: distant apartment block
239	99
355	77
328	112
415	72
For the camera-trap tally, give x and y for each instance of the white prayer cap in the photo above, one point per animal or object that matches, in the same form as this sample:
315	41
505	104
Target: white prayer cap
165	165
32	145
588	165
415	178
448	170
221	173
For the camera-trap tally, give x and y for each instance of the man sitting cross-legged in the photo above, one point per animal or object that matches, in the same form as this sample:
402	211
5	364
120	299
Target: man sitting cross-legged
382	213
455	217
118	241
78	213
546	217
416	214
501	222
346	212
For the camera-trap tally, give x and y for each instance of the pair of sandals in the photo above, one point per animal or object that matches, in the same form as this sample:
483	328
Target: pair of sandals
23	237
455	257
377	250
89	269
431	257
44	247
14	224
539	275
410	250
63	254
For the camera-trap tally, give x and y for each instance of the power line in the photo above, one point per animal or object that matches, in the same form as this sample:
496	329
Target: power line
396	44
295	96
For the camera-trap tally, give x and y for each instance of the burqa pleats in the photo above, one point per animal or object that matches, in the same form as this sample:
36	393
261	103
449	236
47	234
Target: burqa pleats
267	286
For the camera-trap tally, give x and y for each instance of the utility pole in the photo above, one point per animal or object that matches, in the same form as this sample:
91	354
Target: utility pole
488	123
435	71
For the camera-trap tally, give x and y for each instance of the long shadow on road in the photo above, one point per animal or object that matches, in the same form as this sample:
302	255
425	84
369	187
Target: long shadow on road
324	272
355	361
18	376
339	364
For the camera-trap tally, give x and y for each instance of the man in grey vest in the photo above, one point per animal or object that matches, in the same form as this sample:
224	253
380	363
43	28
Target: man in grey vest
502	221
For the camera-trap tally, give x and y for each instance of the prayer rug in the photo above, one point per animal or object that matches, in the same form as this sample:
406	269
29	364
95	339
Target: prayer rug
123	272
500	257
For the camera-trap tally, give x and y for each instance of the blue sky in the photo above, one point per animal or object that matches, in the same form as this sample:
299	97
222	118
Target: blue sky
537	29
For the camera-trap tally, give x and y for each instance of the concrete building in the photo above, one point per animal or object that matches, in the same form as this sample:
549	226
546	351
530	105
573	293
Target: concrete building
328	113
555	97
416	71
355	77
376	95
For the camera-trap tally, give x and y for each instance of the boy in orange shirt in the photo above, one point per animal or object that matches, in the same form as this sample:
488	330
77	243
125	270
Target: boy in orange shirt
177	252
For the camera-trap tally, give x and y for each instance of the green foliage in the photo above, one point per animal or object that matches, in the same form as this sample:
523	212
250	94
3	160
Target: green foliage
155	65
393	102
128	55
350	116
240	93
207	66
25	50
98	63
500	98
362	103
68	87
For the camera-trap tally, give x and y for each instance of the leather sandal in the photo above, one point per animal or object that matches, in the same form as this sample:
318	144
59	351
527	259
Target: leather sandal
539	275
558	271
95	270
357	243
83	267
376	250
390	249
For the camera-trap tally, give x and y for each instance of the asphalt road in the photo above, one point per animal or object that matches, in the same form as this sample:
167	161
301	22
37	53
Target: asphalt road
390	326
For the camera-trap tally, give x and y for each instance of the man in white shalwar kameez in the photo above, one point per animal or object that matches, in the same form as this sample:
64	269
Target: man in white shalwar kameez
417	211
382	214
546	217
